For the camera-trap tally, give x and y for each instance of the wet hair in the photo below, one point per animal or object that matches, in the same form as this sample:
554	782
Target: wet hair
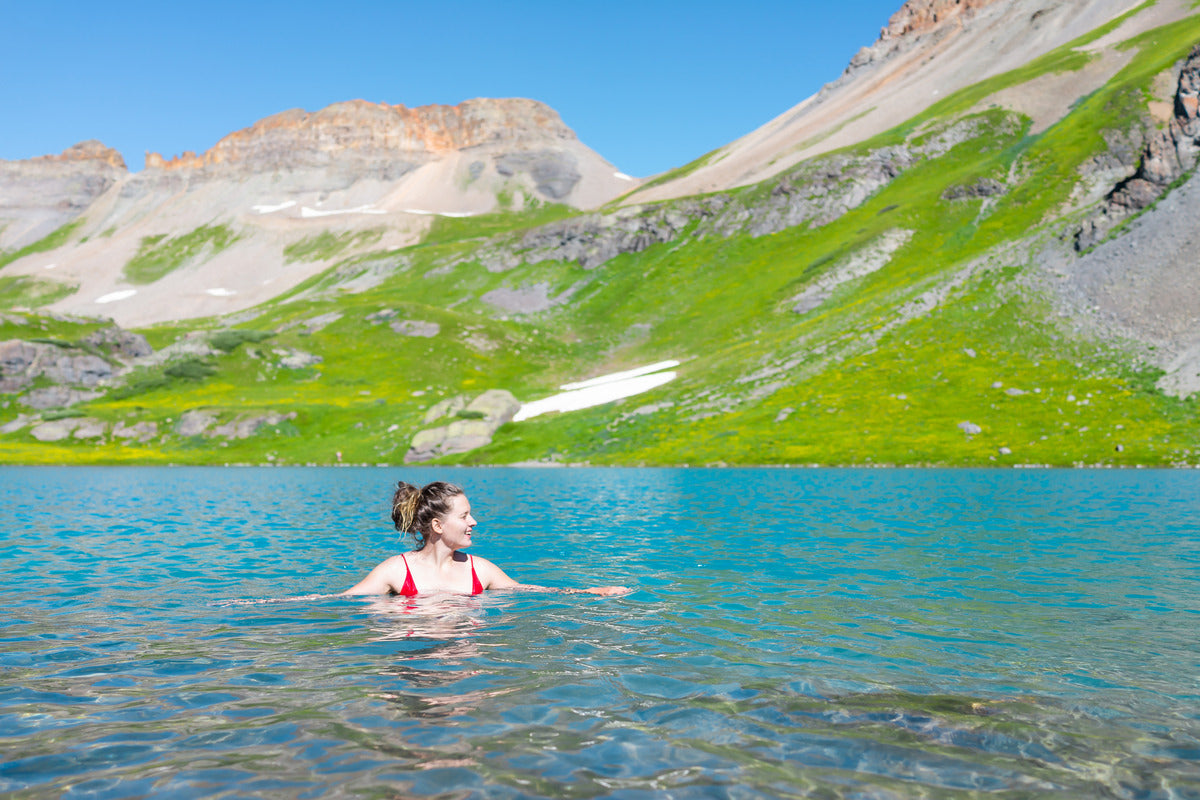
415	508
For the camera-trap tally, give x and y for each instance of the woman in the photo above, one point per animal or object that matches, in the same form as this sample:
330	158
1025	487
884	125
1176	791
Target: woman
438	516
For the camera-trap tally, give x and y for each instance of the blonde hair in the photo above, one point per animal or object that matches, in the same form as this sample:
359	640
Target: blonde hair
415	508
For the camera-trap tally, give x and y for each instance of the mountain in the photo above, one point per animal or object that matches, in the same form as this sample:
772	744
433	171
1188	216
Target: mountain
929	50
40	195
326	181
1001	273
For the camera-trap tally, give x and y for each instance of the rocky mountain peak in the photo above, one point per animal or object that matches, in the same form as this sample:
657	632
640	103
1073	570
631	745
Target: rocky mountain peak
919	16
361	129
89	151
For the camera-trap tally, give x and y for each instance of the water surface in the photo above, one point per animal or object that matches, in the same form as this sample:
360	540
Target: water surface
792	633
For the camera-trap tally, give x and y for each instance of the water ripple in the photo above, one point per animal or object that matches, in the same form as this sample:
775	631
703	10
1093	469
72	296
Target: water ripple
793	633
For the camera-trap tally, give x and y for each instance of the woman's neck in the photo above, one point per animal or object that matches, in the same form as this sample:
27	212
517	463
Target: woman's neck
436	552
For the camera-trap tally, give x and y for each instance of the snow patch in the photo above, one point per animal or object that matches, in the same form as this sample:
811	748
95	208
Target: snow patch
220	292
308	213
271	209
620	376
623	176
112	297
597	391
423	212
50	266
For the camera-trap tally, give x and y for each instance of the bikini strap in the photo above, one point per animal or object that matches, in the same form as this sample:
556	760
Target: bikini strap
409	589
476	584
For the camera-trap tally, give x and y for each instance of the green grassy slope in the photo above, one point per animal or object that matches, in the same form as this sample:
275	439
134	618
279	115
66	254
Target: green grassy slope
885	371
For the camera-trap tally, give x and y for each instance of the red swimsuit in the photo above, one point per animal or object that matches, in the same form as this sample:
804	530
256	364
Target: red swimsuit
409	589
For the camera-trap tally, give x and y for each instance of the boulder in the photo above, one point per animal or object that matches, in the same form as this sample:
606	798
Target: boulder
55	430
141	431
482	416
16	424
246	426
409	327
121	343
297	359
194	422
78	370
445	408
497	406
90	428
56	397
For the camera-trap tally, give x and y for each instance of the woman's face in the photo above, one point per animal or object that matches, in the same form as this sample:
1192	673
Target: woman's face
456	526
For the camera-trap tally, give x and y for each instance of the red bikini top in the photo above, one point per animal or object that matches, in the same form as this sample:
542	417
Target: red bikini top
409	589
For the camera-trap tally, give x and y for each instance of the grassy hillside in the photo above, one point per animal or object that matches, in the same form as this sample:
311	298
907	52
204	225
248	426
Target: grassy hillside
950	354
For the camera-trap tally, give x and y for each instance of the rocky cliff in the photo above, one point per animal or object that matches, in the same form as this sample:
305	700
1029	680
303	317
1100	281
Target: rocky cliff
377	131
353	141
352	173
1166	155
915	20
39	195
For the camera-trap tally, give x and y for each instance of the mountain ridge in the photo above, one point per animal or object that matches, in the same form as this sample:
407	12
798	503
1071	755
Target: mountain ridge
910	68
348	171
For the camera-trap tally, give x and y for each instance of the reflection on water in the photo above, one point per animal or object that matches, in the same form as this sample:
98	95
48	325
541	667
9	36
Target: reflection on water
793	633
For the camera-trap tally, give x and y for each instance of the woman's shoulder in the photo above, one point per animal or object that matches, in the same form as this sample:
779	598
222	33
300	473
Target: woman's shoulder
480	561
392	563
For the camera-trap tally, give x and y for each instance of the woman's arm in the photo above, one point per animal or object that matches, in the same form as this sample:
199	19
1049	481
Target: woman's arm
492	577
380	580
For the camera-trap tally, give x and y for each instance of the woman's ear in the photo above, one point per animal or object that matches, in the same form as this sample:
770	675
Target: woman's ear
436	525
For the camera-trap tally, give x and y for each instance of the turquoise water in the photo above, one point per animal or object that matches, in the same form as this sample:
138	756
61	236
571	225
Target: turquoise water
792	633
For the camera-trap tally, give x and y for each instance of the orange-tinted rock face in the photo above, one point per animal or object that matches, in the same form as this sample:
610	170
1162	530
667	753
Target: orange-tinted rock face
90	150
359	129
918	16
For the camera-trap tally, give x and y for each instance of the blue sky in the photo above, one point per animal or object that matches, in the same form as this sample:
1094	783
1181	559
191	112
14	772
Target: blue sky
649	85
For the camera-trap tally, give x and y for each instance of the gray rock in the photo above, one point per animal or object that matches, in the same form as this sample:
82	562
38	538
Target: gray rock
820	191
121	343
21	362
78	370
194	422
12	426
527	299
55	430
141	431
17	356
1166	156
969	428
320	322
90	428
56	397
984	187
445	408
554	173
298	359
381	316
245	427
457	437
17	424
408	327
496	406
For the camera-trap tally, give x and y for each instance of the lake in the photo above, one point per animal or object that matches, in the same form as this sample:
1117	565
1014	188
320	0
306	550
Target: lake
791	633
